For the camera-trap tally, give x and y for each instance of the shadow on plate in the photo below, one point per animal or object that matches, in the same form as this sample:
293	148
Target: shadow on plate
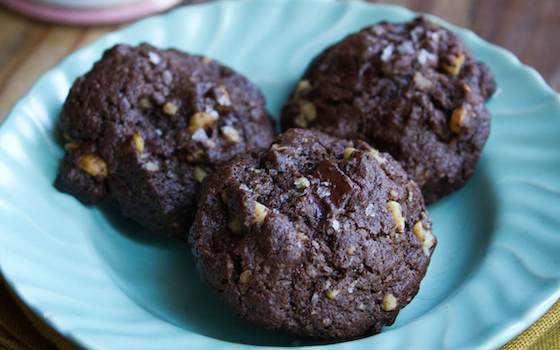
160	275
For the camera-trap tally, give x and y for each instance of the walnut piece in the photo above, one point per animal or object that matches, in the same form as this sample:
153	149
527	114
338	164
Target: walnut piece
231	134
457	120
377	156
418	230
303	87
93	165
244	276
145	103
396	212
170	108
455	66
307	113
260	212
424	236
202	120
301	183
389	302
332	293
347	153
138	142
199	174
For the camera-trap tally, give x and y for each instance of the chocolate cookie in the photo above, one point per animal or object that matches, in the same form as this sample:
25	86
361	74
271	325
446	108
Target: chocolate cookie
316	236
410	89
145	126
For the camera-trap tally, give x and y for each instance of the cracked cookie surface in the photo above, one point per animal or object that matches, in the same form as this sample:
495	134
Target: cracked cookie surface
410	89
316	236
144	126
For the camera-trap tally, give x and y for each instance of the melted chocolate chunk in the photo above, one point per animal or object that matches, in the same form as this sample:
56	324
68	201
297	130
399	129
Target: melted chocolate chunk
340	185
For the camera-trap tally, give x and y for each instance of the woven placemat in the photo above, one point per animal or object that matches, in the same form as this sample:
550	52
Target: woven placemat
20	329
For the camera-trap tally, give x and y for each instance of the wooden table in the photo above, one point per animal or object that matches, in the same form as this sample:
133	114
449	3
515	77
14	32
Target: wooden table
529	28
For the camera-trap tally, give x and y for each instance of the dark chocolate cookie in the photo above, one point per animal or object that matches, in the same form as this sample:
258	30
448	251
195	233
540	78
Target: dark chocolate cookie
145	126
410	89
316	236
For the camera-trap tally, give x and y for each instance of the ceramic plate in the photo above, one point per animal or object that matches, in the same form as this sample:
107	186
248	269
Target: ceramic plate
86	13
103	282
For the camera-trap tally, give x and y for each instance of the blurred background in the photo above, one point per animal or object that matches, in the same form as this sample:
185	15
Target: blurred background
36	34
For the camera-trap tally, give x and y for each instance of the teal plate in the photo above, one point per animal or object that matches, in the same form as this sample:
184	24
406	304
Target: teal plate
103	282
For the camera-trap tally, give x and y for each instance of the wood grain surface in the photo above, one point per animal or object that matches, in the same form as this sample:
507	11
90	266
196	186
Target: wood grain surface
529	28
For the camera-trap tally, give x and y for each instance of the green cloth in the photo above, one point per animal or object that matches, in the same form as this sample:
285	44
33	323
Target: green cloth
20	329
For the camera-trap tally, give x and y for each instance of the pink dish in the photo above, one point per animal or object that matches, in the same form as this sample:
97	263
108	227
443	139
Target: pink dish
90	16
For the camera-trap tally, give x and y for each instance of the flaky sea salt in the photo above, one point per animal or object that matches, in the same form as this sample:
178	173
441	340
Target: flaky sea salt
416	33
335	224
434	36
323	192
425	56
199	135
151	166
386	53
377	30
406	48
154	57
422	82
370	210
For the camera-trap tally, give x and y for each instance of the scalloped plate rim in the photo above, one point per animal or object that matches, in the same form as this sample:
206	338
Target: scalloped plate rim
507	333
